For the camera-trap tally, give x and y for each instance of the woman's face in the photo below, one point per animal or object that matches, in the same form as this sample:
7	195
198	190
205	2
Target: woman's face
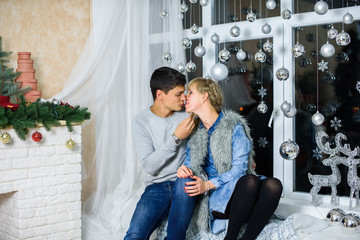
194	100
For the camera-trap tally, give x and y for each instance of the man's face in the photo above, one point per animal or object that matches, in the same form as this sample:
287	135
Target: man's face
174	99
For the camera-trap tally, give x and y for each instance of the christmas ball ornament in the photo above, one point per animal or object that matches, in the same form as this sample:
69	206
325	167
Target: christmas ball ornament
204	2
194	28
282	74
291	113
235	31
5	137
317	118
332	32
199	51
190	66
350	220
55	102
298	50
215	38
224	55
335	215
180	67
286	14
241	55
70	144
251	16
348	18
262	107
186	43
343	38
193	1
167	57
327	50
164	14
289	150
266	28
219	71
36	136
285	106
270	4
184	7
268	46
181	15
321	7
260	56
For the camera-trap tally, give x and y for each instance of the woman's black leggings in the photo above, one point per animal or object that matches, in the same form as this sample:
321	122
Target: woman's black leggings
253	201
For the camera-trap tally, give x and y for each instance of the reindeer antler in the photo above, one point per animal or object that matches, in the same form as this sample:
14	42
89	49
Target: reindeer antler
346	150
327	149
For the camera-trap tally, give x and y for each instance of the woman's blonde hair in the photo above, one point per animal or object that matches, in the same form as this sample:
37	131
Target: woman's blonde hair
211	87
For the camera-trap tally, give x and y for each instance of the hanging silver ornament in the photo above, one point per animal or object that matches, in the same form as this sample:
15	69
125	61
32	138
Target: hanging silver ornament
268	46
235	31
351	220
190	67
241	55
321	7
285	107
343	38
186	43
181	15
262	107
282	74
184	7
332	32
317	118
180	67
219	71
251	16
286	14
194	28
266	28
56	102
270	4
327	50
167	57
348	18
298	50
193	1
224	55
215	38
164	14
200	51
204	3
289	150
291	113
260	56
335	215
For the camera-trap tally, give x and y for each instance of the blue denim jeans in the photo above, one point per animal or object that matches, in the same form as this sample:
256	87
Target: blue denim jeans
161	200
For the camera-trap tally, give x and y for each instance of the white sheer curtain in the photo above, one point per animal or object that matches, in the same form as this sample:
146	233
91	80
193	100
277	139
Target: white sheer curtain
111	77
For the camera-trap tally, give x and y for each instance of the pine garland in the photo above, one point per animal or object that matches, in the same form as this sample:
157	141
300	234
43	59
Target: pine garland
46	113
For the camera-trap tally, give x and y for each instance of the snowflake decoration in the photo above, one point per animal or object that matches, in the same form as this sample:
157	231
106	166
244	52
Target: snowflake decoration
317	153
262	92
358	86
336	123
322	65
262	141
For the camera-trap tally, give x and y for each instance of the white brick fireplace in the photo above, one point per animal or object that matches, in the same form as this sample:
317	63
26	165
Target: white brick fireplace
40	186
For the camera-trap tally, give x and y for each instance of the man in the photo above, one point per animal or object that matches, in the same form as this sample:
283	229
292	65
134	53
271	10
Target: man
158	134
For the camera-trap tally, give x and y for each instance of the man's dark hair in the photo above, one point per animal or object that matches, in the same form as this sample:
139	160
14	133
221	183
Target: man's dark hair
165	79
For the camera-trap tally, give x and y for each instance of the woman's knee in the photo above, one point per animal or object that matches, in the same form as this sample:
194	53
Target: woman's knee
273	186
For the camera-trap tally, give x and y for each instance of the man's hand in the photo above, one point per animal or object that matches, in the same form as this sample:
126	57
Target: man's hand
185	128
184	172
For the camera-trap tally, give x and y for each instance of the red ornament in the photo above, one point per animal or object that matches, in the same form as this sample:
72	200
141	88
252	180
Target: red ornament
36	136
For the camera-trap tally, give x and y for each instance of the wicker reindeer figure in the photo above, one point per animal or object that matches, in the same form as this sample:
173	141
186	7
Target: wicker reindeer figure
332	180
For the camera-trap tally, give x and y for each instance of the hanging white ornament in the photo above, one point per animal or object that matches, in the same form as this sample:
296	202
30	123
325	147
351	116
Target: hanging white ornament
241	55
321	7
260	56
262	107
262	92
219	71
194	28
289	150
167	57
180	67
193	1
186	43
251	16
332	32
291	113
184	7
204	3
164	14
190	66
215	38
317	118
285	107
343	38
266	28
282	74
235	31
224	55
270	4
268	46
181	15
327	50
200	51
322	65
286	14
348	18
298	50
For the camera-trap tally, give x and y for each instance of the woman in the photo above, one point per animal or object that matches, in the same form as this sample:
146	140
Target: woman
219	157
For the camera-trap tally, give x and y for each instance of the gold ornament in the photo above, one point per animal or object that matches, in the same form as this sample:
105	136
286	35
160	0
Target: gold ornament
5	137
70	144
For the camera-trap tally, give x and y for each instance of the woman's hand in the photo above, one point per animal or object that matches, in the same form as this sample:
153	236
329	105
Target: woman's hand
197	187
184	172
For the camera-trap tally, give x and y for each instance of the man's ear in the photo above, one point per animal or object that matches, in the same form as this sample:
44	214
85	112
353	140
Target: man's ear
159	94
